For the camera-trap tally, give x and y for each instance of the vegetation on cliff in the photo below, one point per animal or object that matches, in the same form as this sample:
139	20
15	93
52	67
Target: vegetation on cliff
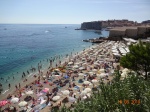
138	59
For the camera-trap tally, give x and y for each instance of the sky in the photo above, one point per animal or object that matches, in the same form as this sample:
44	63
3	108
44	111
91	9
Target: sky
72	11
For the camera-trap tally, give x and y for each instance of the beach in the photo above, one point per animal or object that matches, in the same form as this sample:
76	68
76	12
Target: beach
21	48
73	79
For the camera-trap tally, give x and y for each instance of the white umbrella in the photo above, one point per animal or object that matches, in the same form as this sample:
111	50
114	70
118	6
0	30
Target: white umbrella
77	63
44	76
81	74
66	92
84	97
87	90
81	68
83	93
94	70
83	59
76	66
55	98
57	70
94	81
101	75
71	99
86	82
91	73
29	92
70	63
124	74
84	64
89	94
126	70
96	63
102	70
14	100
22	103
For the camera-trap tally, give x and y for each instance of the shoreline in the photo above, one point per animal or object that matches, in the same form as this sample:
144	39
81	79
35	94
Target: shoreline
97	54
30	78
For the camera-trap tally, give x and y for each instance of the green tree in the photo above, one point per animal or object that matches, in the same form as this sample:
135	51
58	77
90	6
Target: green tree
138	59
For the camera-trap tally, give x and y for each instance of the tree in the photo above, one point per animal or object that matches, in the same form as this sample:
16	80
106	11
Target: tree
138	59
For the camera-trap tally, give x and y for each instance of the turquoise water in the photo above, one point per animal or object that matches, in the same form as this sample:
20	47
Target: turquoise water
23	46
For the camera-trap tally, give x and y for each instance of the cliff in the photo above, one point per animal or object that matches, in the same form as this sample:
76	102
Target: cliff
96	25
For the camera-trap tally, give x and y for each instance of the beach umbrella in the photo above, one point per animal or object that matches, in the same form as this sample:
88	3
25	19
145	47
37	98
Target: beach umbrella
103	75
83	59
91	73
87	90
86	82
55	98
76	66
124	74
102	70
89	94
3	103
70	63
11	108
84	97
29	92
14	100
83	93
66	92
56	70
22	103
44	76
96	63
81	74
77	63
126	70
94	70
81	68
71	99
94	80
84	64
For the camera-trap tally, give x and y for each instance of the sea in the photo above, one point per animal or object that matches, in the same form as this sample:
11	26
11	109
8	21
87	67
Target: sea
23	46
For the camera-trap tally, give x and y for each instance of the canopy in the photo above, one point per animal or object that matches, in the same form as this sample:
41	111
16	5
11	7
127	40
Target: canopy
55	98
86	82
94	80
29	92
66	92
70	63
87	90
14	100
71	99
22	103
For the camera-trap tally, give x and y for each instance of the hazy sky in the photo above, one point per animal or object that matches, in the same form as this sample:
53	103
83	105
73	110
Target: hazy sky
72	11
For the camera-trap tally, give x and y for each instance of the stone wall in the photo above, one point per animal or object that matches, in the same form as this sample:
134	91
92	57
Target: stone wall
131	33
116	33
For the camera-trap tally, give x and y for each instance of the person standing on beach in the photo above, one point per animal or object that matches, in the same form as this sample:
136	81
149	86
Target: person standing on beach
9	85
19	85
16	87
